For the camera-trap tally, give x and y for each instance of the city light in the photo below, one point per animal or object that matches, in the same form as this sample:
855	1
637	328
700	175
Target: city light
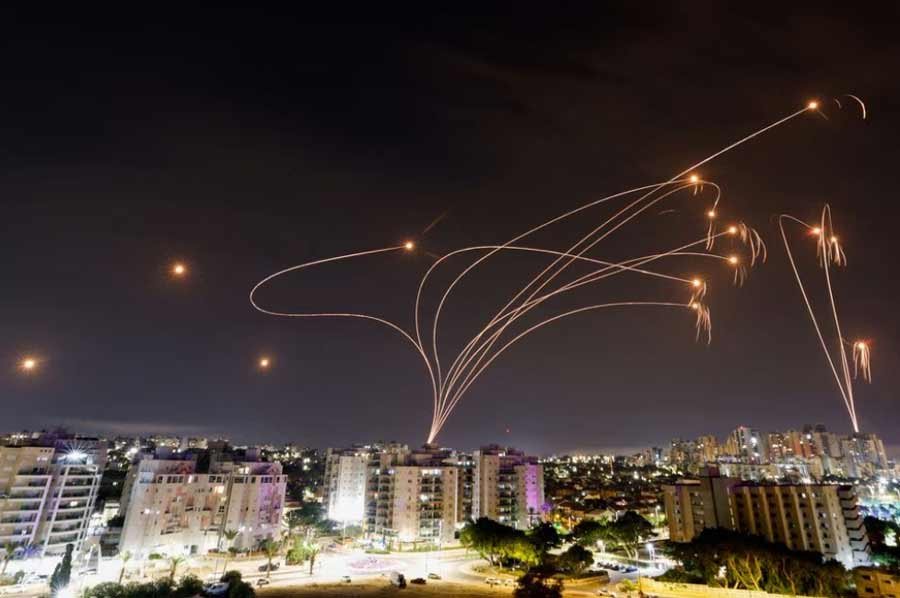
179	269
29	364
733	259
711	213
813	105
696	282
409	246
694	178
264	363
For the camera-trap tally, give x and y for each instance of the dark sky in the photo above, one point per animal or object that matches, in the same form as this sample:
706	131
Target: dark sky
244	143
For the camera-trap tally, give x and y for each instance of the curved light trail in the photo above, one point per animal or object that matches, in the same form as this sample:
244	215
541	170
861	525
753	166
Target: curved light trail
450	386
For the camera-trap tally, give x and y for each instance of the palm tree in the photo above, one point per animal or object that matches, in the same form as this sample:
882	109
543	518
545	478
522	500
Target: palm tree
9	549
291	522
312	549
174	561
271	548
230	535
125	556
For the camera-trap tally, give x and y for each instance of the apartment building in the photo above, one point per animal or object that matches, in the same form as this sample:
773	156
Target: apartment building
183	502
425	495
821	518
48	490
696	504
508	486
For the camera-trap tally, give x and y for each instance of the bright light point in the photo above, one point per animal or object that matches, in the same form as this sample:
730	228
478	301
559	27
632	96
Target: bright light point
694	305
696	282
409	246
264	362
179	269
711	213
834	239
732	259
860	345
29	364
732	230
816	231
694	178
813	105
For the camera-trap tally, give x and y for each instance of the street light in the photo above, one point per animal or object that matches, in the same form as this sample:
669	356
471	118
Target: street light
28	364
179	269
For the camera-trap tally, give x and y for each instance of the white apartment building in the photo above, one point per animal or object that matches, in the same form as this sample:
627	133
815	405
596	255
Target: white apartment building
48	489
178	503
414	503
507	486
426	495
346	474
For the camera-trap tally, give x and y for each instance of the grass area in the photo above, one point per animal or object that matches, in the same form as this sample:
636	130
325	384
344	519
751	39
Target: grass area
381	589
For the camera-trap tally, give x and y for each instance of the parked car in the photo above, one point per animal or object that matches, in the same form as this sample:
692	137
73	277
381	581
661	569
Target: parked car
262	581
631	569
418	581
345	579
265	568
434	576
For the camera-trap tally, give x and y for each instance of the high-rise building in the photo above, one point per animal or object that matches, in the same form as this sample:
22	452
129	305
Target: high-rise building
374	486
184	502
508	486
693	505
48	489
747	444
346	473
821	518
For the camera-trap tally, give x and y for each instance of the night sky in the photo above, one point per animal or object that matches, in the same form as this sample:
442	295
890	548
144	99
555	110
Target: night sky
243	144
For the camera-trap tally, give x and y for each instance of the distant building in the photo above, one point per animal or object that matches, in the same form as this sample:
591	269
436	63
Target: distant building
182	503
48	489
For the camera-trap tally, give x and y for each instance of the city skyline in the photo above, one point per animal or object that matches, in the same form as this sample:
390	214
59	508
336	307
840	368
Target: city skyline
152	177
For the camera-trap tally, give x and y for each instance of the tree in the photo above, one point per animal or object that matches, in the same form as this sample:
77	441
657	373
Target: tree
125	556
628	532
308	516
230	535
545	537
62	573
9	550
174	561
189	585
270	548
312	551
587	532
538	582
575	560
483	537
237	587
752	563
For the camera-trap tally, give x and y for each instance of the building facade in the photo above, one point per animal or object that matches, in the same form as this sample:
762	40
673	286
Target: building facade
508	486
183	503
821	518
48	490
